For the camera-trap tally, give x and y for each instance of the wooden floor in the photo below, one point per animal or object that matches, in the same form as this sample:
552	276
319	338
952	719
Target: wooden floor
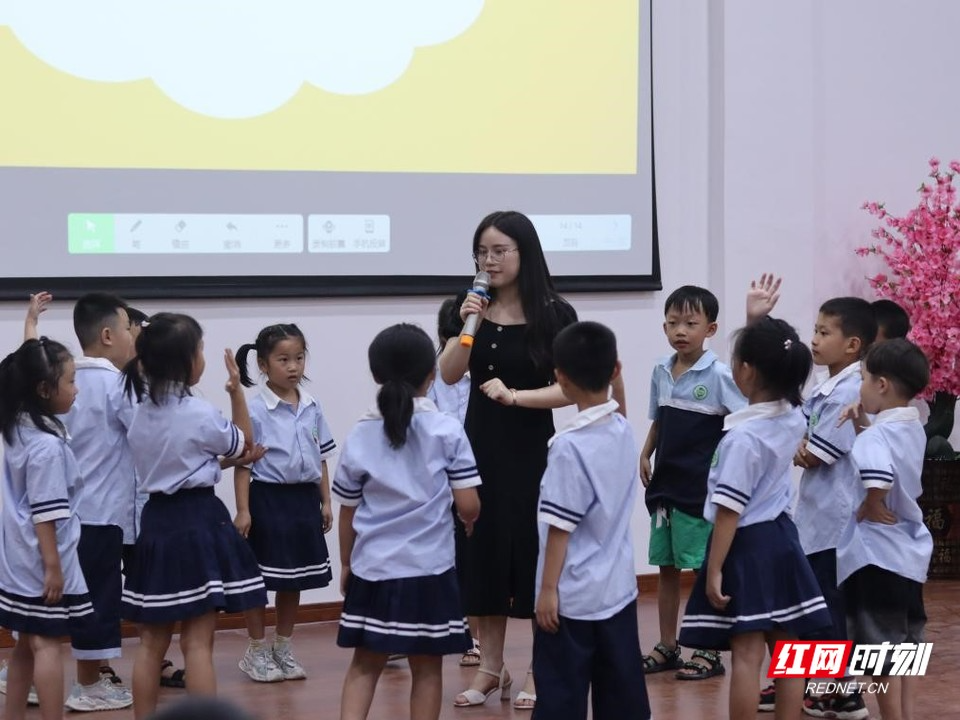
317	698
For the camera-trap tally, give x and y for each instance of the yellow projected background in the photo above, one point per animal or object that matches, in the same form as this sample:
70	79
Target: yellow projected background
532	86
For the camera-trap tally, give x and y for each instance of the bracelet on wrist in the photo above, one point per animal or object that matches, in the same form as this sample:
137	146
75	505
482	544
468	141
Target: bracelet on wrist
513	394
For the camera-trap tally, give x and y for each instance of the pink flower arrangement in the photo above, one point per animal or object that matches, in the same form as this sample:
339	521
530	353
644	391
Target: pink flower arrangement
922	253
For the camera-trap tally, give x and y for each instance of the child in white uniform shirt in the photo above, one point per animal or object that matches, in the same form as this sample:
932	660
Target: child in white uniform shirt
43	595
400	469
586	641
845	328
756	585
885	549
176	439
285	511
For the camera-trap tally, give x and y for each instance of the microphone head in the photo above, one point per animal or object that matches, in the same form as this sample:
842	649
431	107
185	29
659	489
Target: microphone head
482	280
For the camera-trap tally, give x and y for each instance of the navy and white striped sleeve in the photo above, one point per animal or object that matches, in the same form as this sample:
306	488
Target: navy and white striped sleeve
347	484
827	441
46	480
324	437
566	492
737	472
461	465
218	435
874	461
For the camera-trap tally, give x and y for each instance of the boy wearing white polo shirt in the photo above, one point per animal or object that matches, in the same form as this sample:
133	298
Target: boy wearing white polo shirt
586	642
885	548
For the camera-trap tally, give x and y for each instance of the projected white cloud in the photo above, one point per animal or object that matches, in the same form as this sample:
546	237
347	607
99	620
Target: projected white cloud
237	58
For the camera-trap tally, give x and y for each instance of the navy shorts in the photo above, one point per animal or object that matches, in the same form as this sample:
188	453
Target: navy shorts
599	658
100	553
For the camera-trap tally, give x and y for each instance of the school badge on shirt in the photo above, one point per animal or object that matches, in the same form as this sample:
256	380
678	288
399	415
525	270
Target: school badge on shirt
700	392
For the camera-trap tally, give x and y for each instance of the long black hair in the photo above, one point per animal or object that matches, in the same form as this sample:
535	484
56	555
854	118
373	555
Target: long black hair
22	372
773	348
166	350
266	341
540	301
401	359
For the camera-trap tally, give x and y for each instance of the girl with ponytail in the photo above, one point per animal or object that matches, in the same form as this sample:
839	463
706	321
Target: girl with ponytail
756	586
401	468
43	594
283	498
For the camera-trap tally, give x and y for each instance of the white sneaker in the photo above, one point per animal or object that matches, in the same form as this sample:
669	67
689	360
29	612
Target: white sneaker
102	695
291	669
258	663
32	698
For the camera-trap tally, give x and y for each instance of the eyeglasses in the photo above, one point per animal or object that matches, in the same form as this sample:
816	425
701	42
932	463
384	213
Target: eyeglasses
495	256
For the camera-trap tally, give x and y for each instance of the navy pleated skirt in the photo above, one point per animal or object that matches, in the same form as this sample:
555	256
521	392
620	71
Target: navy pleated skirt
287	535
189	560
770	584
30	615
410	616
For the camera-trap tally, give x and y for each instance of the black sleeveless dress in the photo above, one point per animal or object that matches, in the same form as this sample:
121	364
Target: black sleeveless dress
497	564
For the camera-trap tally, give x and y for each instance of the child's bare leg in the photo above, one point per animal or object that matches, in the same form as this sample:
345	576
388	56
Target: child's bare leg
196	643
154	641
891	701
47	676
360	683
908	695
747	651
427	690
256	622
19	677
288	602
668	604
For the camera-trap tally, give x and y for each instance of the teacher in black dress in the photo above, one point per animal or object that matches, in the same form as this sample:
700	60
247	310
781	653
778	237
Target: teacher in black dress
509	420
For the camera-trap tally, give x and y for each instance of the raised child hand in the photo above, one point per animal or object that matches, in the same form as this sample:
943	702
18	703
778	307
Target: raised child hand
762	297
233	371
38	304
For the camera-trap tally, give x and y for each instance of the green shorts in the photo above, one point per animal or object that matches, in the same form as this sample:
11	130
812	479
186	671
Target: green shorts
677	539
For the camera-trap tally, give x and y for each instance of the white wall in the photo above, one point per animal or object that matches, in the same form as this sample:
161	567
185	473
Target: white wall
773	123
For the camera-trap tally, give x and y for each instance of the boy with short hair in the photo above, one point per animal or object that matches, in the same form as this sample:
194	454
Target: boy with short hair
892	320
690	393
882	563
845	328
586	641
104	496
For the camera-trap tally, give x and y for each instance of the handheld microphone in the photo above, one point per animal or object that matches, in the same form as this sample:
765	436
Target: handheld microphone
481	283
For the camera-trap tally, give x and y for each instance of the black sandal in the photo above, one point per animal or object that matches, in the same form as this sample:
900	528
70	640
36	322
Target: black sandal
702	672
108	672
175	680
671	661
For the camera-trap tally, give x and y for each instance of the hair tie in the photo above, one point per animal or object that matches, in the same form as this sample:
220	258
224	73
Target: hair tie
145	323
787	344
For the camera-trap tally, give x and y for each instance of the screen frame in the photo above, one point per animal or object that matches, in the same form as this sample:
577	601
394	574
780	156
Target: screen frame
287	286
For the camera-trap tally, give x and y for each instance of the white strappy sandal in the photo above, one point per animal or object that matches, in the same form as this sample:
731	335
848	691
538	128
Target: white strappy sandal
475	697
525	700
